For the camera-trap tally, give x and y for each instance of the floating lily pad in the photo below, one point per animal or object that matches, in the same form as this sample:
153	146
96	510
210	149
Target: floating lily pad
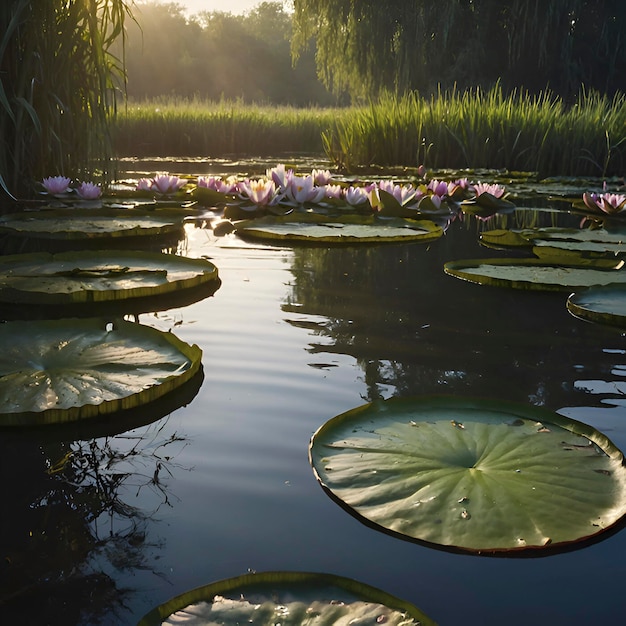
472	475
75	228
555	271
65	370
605	305
315	228
289	599
100	277
589	240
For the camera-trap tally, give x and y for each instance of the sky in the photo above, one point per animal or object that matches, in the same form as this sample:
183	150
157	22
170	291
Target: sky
229	6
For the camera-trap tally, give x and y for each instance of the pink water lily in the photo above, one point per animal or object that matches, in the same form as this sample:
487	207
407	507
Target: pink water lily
89	191
321	177
404	194
56	185
355	195
230	185
333	191
144	184
609	203
302	189
261	192
280	176
167	184
438	188
497	191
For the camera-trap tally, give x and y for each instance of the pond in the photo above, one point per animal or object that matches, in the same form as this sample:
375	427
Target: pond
100	530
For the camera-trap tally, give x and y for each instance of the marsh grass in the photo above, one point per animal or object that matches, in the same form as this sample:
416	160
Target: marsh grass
471	129
175	127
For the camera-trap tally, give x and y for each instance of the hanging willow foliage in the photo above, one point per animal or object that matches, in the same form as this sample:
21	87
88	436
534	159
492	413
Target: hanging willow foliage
58	86
367	47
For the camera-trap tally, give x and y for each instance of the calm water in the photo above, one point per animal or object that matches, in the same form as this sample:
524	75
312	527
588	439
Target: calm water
223	485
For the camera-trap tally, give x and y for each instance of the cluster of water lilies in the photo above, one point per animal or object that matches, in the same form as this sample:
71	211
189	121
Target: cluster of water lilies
162	184
282	186
607	203
60	186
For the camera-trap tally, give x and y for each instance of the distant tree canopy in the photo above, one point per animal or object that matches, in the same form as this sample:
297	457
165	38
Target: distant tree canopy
214	55
366	47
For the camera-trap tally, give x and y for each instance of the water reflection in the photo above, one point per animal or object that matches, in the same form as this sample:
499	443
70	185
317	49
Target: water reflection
415	330
69	529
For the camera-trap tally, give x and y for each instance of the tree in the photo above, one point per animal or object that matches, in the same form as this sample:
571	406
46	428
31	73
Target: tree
367	47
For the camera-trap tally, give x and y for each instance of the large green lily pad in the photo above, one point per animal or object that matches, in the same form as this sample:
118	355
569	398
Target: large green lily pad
65	370
91	223
559	271
597	240
353	229
98	276
472	475
289	599
605	305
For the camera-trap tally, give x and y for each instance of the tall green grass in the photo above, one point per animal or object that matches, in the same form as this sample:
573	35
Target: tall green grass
174	127
486	129
471	129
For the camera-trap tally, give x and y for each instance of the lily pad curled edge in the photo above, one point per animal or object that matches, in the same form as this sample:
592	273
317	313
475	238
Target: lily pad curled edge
603	305
98	276
91	223
58	371
552	272
470	475
316	228
289	598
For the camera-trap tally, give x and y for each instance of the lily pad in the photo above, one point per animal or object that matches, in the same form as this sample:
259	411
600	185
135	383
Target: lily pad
554	271
354	229
588	240
289	599
59	371
96	277
604	305
472	475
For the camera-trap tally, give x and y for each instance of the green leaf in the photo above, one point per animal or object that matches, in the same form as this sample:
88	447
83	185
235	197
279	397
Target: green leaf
91	224
597	240
314	228
555	271
98	276
289	599
604	305
472	475
65	370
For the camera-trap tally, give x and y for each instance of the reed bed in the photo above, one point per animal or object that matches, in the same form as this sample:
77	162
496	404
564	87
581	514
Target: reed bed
471	129
173	127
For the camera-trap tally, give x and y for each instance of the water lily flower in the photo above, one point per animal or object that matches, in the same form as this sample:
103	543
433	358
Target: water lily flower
438	188
404	194
355	195
302	189
261	192
144	184
280	176
497	191
333	191
230	185
89	191
167	184
609	203
321	177
56	185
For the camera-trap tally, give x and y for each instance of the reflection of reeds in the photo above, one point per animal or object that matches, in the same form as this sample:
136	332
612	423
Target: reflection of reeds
57	93
447	130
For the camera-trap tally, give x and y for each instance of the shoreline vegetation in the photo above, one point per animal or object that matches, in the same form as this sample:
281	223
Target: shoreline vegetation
450	129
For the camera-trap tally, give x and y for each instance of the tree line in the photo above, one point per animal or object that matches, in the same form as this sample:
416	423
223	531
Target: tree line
217	55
